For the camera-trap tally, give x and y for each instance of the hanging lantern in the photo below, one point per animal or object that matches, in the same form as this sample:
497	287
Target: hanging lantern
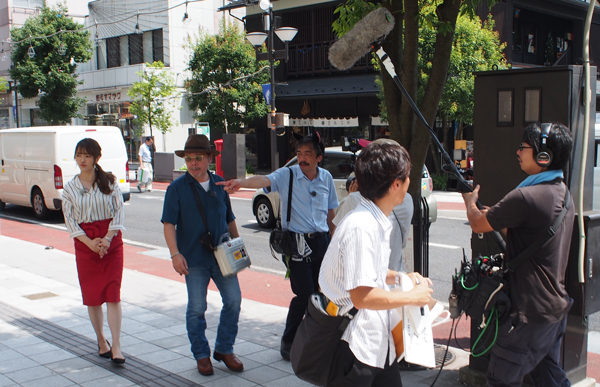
30	52
62	48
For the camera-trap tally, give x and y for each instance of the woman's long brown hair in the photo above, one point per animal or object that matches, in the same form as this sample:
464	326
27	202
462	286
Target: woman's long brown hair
103	179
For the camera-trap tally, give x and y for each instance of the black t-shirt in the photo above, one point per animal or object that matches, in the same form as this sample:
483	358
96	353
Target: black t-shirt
537	287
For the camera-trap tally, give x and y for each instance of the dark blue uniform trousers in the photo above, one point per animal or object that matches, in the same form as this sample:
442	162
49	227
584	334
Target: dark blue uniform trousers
304	279
532	349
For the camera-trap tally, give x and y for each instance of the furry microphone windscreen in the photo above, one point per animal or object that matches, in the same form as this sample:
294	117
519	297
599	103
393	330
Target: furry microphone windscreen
357	42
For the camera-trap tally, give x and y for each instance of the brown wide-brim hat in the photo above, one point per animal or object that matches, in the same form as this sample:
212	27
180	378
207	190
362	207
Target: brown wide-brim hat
197	143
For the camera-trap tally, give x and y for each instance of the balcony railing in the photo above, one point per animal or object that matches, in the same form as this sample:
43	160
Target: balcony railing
313	59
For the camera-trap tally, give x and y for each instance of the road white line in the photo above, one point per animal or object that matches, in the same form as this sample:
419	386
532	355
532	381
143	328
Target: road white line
452	217
258	268
37	222
444	246
233	197
143	245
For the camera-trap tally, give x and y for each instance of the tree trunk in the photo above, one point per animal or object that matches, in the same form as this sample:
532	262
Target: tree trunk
447	12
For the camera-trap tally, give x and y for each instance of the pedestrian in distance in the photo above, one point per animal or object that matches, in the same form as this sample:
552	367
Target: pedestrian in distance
187	238
355	272
146	170
529	339
94	215
314	199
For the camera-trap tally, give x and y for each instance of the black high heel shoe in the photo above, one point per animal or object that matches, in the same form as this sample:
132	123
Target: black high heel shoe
117	360
107	354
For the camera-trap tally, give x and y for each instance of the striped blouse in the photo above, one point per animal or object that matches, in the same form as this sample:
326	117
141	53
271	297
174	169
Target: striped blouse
358	255
80	206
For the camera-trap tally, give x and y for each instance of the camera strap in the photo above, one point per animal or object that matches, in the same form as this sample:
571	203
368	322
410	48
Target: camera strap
197	196
519	259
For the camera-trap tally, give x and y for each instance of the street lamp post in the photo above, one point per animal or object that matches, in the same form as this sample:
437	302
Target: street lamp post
285	34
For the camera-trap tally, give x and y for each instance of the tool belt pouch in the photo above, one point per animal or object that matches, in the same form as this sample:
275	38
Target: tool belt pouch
281	242
208	242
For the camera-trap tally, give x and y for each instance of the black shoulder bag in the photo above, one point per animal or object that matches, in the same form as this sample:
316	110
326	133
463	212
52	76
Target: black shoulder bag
281	240
207	240
316	340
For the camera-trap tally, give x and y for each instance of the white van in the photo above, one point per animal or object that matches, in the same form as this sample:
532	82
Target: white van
36	162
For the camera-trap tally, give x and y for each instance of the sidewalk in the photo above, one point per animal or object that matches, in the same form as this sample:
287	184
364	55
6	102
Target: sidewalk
46	338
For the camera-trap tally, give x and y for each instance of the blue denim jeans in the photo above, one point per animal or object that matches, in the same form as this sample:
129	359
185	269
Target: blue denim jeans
197	286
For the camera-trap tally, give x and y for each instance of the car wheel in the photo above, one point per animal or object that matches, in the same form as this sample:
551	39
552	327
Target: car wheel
264	213
2	205
39	207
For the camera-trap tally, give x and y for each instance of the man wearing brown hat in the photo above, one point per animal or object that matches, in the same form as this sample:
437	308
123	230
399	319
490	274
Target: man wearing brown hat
186	233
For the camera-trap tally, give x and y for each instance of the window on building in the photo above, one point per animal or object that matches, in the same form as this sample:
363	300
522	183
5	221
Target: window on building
157	46
28	3
113	52
92	109
136	49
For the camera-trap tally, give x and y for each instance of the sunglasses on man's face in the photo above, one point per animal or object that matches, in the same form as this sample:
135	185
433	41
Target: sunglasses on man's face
198	158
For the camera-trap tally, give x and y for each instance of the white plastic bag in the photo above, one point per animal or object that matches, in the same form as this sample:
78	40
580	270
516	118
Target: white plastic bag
412	332
143	175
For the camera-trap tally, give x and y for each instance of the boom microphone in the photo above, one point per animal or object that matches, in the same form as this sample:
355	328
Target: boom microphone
357	42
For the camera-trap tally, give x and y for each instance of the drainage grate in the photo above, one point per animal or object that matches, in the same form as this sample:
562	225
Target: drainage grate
440	350
40	296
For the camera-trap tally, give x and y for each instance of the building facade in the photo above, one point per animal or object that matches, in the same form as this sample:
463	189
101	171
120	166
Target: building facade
344	103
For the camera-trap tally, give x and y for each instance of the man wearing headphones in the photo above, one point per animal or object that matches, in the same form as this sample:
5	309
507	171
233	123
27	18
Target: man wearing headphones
529	339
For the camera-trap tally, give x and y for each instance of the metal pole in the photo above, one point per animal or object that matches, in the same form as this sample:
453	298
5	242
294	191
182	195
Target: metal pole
271	46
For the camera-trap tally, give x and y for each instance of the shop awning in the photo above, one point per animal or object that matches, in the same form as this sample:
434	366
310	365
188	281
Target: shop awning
325	122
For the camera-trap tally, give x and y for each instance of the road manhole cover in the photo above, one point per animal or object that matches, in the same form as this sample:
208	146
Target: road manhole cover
440	350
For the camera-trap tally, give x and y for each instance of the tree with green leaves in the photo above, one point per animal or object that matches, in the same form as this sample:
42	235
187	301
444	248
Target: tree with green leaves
151	99
45	54
402	46
476	47
225	85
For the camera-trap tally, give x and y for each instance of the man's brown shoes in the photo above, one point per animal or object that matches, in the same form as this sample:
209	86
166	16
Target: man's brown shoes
231	361
205	366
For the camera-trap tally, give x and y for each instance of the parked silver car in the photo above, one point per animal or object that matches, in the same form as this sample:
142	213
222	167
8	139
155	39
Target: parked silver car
266	206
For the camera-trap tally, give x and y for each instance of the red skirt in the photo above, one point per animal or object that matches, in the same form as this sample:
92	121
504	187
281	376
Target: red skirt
99	278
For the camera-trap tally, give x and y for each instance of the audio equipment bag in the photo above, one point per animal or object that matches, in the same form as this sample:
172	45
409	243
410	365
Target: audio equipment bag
482	284
231	255
317	339
281	241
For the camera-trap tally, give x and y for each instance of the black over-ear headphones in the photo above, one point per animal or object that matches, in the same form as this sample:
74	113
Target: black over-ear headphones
544	156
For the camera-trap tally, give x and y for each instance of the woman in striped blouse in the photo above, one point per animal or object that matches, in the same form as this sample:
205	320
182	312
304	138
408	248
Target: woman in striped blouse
94	216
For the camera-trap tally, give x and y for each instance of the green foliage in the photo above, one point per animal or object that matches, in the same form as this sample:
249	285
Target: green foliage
440	182
476	47
226	80
249	169
349	13
48	73
151	98
3	85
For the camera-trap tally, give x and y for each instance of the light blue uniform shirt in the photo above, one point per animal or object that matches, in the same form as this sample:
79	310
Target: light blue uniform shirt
311	200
